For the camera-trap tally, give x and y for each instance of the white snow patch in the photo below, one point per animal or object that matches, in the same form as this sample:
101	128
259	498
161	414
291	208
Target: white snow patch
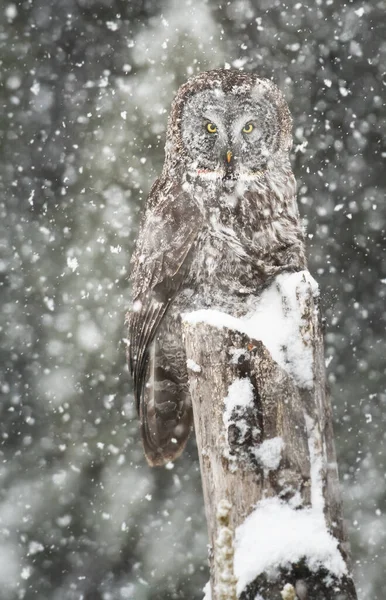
35	548
35	88
13	82
137	305
275	535
31	198
328	361
72	263
64	521
10	12
49	302
276	320
269	453
193	366
215	318
288	592
207	591
112	25
26	573
236	354
240	395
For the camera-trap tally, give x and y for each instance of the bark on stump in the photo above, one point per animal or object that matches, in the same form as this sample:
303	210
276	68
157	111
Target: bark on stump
235	479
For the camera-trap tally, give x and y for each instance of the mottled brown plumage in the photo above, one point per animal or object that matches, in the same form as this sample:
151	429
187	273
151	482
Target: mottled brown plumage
219	223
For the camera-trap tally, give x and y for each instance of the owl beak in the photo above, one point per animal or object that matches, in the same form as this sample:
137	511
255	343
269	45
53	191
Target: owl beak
229	167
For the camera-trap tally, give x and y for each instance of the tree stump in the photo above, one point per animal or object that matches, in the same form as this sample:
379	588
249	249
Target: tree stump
264	433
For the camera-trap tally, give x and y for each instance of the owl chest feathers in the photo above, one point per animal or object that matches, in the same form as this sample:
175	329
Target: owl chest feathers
239	238
218	252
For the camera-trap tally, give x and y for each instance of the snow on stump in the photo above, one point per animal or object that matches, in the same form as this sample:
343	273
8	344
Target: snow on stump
264	433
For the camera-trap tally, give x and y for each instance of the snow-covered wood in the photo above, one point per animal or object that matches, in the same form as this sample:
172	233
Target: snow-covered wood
265	439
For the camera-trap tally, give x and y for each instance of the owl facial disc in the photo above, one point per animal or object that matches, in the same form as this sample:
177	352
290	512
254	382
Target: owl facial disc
229	135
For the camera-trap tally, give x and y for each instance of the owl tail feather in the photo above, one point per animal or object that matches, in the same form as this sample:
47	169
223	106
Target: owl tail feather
165	412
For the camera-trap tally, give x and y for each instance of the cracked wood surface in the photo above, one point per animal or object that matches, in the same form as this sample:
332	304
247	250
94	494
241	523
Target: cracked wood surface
229	467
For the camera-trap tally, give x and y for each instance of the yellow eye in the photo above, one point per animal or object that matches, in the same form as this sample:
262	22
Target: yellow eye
248	128
211	127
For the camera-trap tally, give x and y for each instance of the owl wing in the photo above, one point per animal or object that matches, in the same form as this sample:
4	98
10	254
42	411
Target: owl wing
160	265
284	245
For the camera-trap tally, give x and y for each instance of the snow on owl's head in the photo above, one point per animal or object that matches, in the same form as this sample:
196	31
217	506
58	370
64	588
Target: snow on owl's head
230	123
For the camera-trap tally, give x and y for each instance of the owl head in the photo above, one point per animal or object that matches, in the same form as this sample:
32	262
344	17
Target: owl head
229	124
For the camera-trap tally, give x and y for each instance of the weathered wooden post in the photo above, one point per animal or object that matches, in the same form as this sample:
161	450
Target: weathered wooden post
264	434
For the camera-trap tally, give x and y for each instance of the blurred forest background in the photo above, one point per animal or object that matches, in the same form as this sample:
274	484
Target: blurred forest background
85	90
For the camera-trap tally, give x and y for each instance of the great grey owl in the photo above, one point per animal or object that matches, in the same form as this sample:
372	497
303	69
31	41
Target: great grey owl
220	222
